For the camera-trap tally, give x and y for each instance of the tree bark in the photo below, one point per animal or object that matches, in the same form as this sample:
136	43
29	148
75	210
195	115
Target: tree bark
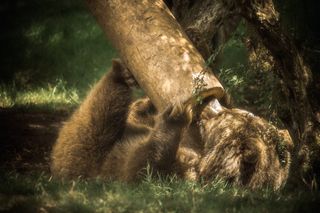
297	81
209	24
156	50
202	20
136	28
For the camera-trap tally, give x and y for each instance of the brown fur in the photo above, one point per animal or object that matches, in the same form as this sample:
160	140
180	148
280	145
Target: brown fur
110	137
245	150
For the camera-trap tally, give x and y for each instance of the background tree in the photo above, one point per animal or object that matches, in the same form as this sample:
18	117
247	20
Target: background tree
209	24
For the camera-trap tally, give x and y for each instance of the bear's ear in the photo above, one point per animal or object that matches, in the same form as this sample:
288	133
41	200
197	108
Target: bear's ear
251	151
117	64
287	138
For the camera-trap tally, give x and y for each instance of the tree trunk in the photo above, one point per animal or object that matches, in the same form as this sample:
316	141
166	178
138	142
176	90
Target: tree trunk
297	81
209	24
136	28
156	50
202	20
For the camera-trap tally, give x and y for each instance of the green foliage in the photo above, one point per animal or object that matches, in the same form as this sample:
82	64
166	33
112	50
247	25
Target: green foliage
39	192
253	90
234	52
249	77
247	86
47	40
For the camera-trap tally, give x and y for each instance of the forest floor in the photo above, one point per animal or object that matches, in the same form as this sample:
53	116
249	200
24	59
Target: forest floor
26	139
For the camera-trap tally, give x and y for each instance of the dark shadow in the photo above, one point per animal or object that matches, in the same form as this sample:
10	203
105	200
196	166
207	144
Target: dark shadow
27	136
45	40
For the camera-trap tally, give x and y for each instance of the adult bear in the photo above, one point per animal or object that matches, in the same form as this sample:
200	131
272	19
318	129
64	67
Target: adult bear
111	137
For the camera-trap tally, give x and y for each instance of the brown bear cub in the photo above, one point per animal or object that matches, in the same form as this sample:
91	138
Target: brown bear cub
111	137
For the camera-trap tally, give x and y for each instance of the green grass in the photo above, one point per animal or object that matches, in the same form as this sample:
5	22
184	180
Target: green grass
51	53
51	96
35	192
46	40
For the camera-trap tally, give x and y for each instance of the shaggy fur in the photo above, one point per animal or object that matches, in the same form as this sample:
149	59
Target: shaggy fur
110	137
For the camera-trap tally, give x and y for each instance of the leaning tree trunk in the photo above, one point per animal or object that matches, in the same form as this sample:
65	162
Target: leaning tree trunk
156	50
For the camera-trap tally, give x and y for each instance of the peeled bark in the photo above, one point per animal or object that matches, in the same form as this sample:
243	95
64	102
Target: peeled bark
156	50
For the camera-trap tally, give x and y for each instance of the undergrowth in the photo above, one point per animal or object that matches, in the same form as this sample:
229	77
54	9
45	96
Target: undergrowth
40	192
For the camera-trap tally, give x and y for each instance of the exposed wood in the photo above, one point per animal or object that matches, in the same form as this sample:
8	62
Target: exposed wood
156	50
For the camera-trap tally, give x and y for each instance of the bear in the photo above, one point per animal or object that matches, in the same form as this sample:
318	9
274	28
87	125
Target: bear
114	138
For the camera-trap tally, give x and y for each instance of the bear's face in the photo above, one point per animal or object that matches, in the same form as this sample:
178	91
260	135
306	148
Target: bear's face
244	149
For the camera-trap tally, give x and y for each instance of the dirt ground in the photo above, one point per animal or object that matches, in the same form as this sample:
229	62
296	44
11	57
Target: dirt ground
26	138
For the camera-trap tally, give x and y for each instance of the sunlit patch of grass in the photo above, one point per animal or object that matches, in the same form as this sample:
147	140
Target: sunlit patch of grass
50	95
36	192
